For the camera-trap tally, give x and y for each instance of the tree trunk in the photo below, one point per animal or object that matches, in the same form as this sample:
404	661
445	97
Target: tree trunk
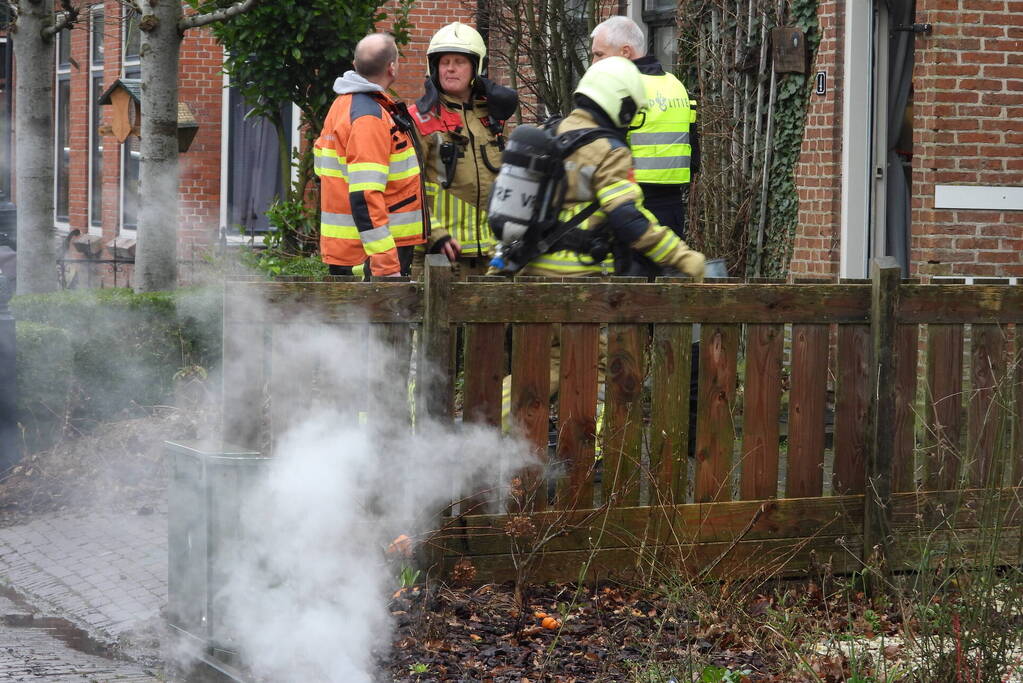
33	121
156	255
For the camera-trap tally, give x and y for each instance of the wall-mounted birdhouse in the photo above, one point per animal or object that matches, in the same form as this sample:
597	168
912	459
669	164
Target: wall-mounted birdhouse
124	96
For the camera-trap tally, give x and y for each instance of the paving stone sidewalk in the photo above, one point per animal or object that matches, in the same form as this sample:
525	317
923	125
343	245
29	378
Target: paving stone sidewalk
35	650
103	571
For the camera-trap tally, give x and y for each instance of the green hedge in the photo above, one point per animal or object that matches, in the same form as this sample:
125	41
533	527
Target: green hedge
45	362
106	353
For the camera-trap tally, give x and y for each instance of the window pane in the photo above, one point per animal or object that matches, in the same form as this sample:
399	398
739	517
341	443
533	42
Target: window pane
130	176
666	46
63	151
96	156
660	5
64	47
97	37
132	35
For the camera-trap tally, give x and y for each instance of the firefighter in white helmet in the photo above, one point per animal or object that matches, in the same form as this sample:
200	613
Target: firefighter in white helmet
460	121
599	180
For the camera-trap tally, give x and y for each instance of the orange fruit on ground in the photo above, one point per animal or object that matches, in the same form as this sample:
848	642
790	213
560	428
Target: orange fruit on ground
550	622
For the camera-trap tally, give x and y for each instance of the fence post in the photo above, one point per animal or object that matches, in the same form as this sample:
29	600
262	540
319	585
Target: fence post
885	275
435	385
9	455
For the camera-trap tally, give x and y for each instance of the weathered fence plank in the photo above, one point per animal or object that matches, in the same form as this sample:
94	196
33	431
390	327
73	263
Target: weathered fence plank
435	365
907	345
735	560
877	539
732	521
622	433
323	302
1017	441
530	403
944	400
577	413
986	406
807	400
765	348
952	304
715	430
612	302
854	382
671	358
484	371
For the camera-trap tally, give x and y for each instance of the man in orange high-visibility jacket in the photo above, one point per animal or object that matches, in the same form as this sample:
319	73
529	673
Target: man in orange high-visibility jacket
371	196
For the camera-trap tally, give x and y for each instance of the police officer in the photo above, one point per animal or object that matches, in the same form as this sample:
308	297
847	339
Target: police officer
610	95
460	121
664	143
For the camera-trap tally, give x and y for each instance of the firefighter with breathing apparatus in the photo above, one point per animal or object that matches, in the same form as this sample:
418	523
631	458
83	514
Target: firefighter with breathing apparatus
566	203
460	121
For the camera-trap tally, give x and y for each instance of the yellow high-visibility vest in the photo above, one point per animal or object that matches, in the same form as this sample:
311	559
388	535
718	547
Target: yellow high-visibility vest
661	149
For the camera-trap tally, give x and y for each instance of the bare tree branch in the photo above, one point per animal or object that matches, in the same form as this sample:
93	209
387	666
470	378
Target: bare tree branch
197	20
61	21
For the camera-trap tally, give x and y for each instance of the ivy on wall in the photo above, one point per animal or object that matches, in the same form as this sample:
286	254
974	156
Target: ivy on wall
725	61
793	95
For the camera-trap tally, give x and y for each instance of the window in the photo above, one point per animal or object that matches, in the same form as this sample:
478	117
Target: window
62	162
659	16
253	169
95	139
130	152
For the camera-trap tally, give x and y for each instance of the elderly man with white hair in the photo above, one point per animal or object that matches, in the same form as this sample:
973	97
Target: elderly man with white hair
664	144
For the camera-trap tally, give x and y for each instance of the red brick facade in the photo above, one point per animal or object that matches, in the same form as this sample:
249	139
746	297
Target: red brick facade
819	169
201	87
969	125
967	121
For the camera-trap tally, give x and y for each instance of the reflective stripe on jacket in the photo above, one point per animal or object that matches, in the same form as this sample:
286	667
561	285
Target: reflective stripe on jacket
460	209
370	194
661	148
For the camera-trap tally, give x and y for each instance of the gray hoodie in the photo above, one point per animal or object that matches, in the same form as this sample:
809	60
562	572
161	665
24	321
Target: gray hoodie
352	82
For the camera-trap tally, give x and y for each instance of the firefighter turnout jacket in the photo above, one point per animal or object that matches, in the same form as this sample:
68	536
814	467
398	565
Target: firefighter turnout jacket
602	171
370	193
461	156
661	147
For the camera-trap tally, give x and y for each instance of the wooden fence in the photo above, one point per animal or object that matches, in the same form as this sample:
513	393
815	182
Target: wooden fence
921	382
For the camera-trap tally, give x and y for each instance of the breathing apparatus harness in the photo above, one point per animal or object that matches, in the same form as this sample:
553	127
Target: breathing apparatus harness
528	194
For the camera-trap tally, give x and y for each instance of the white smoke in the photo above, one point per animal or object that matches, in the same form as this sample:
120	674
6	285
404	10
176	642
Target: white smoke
308	586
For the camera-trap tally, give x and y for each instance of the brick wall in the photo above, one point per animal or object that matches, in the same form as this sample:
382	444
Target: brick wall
968	118
818	171
200	87
200	83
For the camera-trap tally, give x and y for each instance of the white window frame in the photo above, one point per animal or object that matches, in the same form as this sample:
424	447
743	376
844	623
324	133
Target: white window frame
62	72
95	68
862	83
126	63
230	236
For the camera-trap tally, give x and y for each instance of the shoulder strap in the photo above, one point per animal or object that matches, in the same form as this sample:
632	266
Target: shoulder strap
566	143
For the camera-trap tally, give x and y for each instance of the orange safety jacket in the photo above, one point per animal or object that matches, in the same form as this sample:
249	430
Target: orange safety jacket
371	197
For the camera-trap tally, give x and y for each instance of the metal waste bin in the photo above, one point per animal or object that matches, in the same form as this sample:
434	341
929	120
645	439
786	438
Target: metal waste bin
207	488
